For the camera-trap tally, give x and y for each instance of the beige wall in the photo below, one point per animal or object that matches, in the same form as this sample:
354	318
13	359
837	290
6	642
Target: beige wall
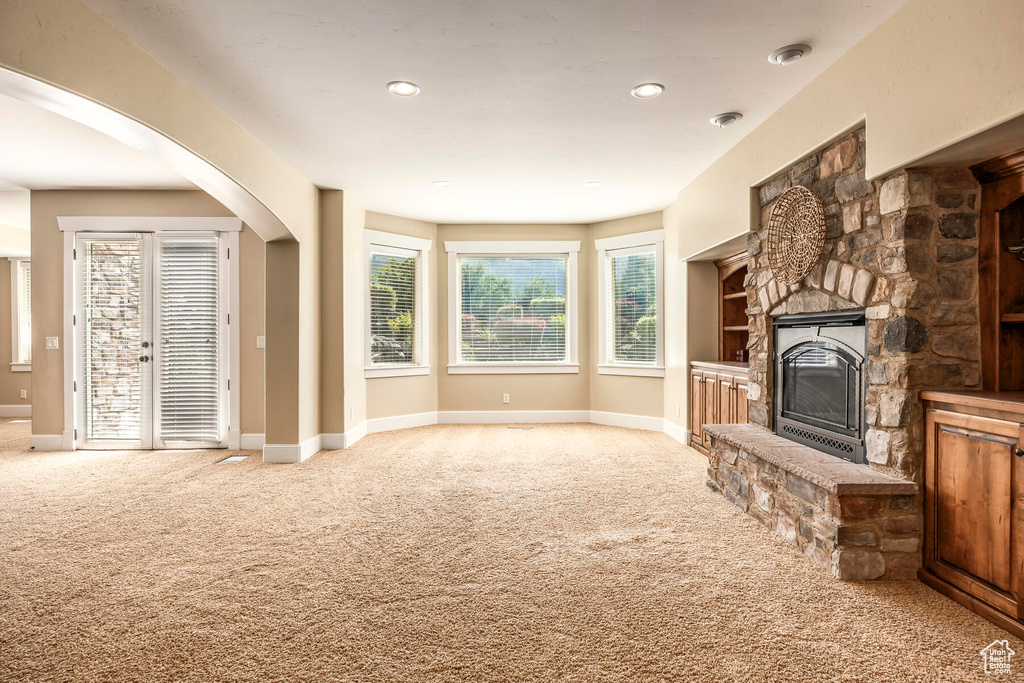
11	383
48	270
618	393
387	396
252	310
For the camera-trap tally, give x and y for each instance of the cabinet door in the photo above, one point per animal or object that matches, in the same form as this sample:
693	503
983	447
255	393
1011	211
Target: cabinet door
726	409
710	403
696	407
972	482
741	411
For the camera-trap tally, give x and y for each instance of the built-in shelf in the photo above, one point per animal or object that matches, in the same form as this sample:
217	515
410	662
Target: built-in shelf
735	295
736	328
732	303
1012	318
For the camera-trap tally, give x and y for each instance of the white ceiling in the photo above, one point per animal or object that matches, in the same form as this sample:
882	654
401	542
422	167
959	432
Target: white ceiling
522	102
45	151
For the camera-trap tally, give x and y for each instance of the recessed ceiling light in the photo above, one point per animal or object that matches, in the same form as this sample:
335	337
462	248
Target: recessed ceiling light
646	91
593	183
789	54
726	119
403	88
442	183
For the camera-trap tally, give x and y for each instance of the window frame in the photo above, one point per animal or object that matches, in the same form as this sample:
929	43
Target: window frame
18	364
378	242
567	249
624	245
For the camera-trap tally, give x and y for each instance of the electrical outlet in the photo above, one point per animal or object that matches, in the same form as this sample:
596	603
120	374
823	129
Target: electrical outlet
24	393
504	398
52	343
261	342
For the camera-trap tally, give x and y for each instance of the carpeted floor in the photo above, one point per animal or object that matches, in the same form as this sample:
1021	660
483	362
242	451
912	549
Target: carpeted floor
448	553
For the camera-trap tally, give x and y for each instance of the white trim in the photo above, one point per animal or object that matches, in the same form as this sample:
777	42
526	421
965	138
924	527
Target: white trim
355	434
631	370
251	442
652	424
291	453
677	432
636	239
514	369
415	247
389	424
70	274
48	442
511	416
17	410
625	245
396	371
392	239
513	247
332	442
231	260
148	223
17	362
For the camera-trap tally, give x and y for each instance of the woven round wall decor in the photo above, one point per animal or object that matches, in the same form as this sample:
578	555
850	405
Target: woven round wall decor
796	234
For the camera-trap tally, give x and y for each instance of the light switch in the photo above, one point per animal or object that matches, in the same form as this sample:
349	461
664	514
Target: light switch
52	343
24	393
261	342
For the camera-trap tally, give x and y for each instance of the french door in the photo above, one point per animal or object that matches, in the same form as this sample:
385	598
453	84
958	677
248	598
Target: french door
151	341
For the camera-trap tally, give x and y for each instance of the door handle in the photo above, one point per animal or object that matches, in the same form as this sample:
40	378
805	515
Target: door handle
1019	452
143	359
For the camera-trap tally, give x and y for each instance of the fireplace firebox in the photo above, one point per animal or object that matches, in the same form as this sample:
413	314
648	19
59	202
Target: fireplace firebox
819	381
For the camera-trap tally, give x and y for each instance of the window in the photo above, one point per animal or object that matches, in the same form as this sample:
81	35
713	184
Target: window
631	321
396	309
512	307
21	315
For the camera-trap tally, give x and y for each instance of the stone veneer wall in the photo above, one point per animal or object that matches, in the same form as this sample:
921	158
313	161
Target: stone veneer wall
904	248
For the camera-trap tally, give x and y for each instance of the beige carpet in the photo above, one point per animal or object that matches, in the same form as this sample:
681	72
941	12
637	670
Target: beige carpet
449	553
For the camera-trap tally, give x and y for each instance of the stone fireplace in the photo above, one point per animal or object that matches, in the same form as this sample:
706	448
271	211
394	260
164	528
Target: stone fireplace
901	256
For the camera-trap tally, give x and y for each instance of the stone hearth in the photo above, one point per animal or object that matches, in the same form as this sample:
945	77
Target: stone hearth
857	523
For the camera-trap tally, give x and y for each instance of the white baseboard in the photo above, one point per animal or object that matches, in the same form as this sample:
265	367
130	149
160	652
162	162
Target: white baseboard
332	442
292	452
677	432
652	424
511	416
48	442
353	435
251	442
16	411
389	424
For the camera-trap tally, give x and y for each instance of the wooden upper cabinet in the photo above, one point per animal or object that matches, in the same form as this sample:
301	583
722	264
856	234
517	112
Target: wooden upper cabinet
1001	272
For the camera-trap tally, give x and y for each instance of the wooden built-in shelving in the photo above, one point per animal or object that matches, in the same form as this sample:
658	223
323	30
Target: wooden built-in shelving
732	308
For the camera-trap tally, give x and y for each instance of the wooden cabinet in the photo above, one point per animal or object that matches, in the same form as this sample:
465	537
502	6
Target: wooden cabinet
974	502
718	395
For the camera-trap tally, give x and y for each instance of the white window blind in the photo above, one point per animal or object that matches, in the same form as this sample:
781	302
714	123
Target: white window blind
632	320
112	329
24	312
394	327
512	308
189	339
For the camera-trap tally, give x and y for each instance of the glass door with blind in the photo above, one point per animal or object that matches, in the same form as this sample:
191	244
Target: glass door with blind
151	351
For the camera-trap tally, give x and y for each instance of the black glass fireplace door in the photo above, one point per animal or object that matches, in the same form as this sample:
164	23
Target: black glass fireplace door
822	387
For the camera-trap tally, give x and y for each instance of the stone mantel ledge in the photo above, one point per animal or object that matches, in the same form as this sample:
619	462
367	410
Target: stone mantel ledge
837	476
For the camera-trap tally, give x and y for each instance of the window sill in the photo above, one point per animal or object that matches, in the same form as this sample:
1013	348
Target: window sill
21	367
514	369
396	371
631	370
